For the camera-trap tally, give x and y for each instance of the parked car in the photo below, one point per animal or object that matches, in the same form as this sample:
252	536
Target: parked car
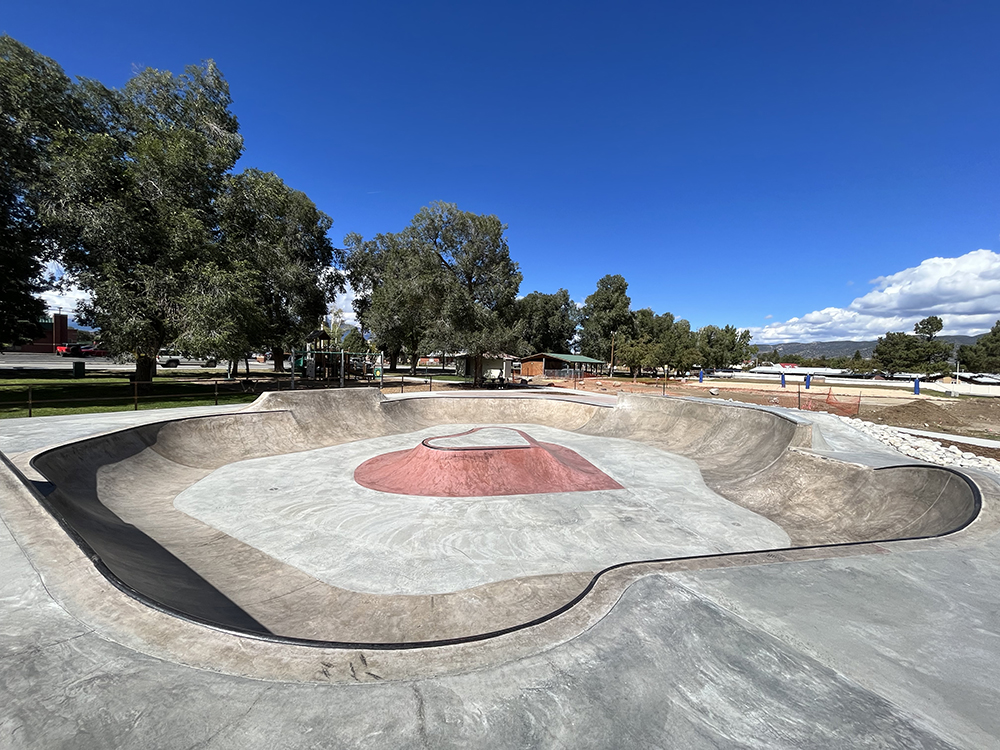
176	358
94	350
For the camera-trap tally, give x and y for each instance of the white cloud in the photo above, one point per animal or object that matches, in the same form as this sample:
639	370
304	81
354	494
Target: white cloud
344	302
963	291
65	298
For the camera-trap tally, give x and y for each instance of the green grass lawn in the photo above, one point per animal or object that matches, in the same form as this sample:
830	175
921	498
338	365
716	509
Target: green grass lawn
100	393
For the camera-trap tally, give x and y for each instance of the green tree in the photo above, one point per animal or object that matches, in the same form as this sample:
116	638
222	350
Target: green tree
37	102
480	311
399	287
445	282
550	321
279	237
219	316
929	327
724	347
354	341
635	353
897	352
680	346
933	355
984	355
901	352
606	318
137	202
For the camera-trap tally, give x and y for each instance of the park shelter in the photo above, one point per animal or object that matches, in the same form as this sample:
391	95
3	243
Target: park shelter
547	364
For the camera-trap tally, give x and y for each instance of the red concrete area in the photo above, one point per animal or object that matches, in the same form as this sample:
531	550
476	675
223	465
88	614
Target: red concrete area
475	471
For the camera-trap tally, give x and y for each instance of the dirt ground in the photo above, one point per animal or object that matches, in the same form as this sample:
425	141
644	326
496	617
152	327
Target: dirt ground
966	416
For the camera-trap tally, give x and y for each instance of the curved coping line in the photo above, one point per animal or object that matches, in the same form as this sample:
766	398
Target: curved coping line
532	443
413	645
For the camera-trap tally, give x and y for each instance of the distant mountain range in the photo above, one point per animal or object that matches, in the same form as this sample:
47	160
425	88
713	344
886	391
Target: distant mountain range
831	349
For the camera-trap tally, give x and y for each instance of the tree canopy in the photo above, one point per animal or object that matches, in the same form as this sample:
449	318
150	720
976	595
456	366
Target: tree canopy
445	282
606	316
984	355
919	352
550	321
275	242
37	103
136	202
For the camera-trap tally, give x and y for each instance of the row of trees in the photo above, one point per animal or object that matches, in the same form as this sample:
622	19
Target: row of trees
610	330
446	282
132	191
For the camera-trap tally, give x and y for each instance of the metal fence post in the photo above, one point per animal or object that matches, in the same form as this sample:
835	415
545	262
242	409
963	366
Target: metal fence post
430	383
216	392
135	395
341	368
29	401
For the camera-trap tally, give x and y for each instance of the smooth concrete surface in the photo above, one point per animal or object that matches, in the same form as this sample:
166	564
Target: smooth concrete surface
31	433
303	509
327	559
889	645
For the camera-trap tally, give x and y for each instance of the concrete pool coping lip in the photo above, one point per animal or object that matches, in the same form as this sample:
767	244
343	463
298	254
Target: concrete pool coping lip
815	551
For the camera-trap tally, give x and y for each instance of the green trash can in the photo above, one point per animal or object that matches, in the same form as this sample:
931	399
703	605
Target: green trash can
79	369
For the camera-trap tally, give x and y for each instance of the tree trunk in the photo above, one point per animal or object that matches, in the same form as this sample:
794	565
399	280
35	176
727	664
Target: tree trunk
393	359
278	358
145	371
414	357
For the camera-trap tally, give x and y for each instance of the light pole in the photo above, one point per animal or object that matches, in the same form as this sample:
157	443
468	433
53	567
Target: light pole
613	334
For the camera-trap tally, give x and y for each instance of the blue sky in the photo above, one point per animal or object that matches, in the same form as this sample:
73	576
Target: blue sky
783	166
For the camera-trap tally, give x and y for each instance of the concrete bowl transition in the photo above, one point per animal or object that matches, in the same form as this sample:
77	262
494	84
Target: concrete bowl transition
346	519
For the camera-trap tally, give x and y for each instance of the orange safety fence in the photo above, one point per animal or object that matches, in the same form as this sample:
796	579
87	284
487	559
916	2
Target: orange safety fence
811	400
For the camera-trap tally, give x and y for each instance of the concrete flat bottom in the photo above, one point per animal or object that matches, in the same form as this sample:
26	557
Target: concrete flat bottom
306	510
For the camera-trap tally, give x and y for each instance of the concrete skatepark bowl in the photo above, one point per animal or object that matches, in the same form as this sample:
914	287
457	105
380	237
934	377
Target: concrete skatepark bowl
342	519
220	580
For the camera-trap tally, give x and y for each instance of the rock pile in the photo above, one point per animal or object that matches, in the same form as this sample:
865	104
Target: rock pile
924	449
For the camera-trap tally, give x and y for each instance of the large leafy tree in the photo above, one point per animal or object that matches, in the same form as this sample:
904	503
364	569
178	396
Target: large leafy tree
275	242
37	103
984	355
398	291
480	315
606	318
445	282
724	347
137	202
550	321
